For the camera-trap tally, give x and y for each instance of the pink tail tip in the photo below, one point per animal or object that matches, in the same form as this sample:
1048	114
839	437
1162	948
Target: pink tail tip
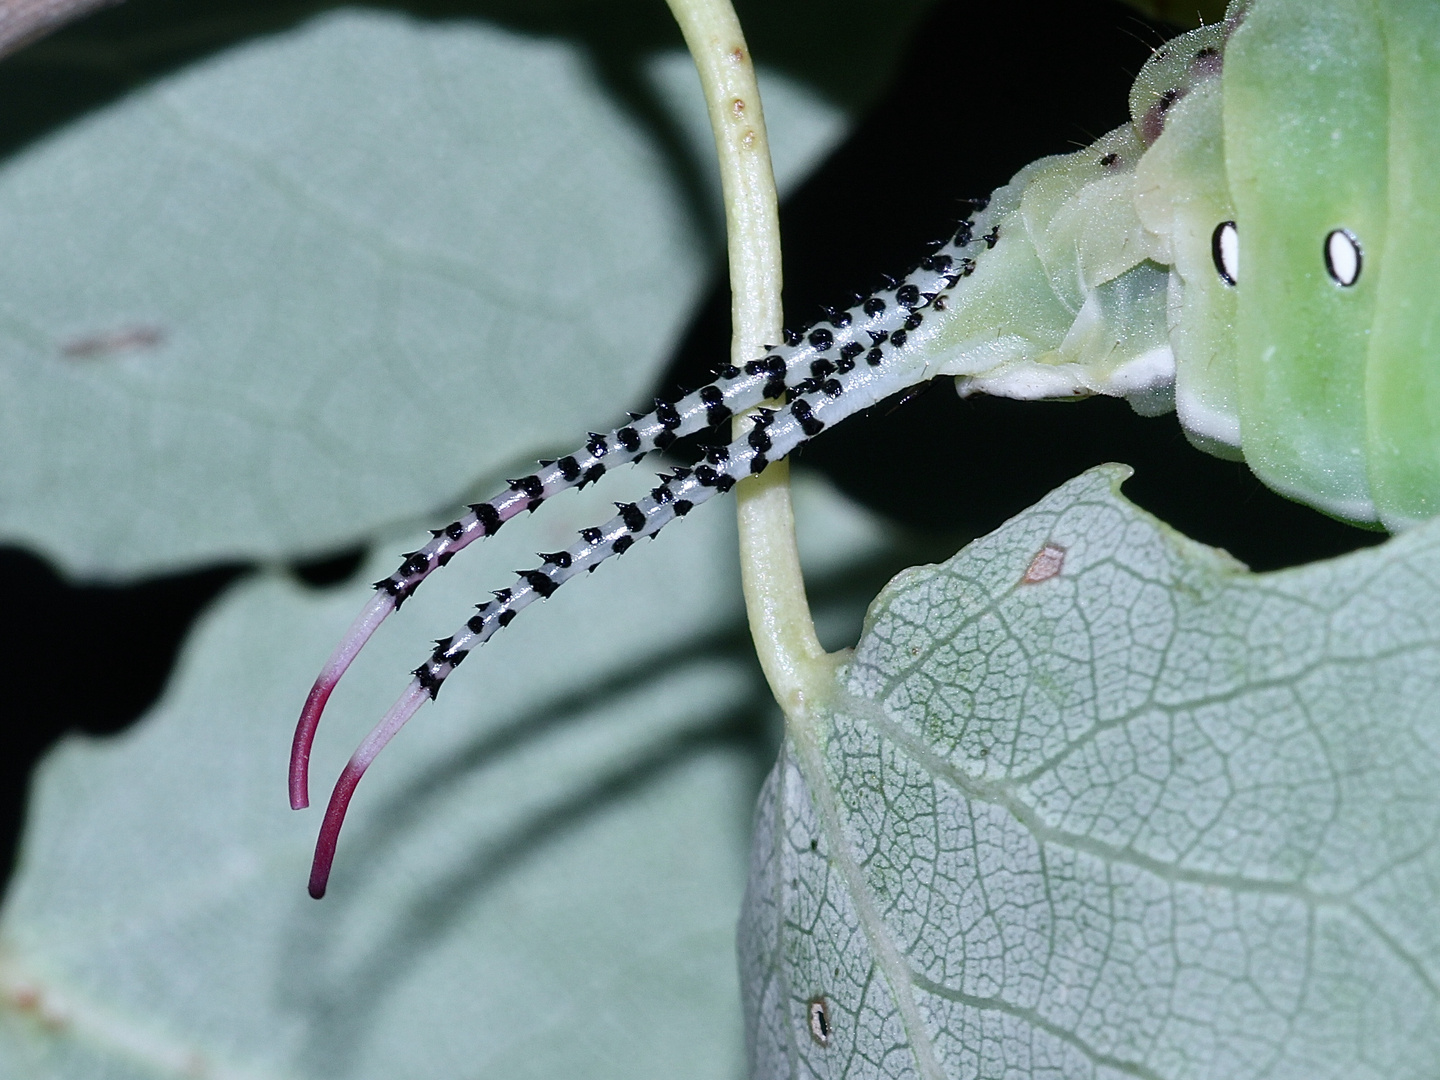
304	740
370	617
413	697
330	828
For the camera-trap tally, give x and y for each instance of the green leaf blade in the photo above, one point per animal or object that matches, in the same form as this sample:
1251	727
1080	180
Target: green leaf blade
1150	816
330	280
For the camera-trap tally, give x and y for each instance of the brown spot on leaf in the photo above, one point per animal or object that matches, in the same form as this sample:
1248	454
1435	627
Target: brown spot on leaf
124	339
23	998
1047	563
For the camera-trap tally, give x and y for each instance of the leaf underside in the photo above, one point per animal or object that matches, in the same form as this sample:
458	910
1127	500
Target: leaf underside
1149	816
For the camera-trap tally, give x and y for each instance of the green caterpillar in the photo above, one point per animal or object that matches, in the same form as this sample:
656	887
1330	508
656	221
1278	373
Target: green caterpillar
1252	249
1256	243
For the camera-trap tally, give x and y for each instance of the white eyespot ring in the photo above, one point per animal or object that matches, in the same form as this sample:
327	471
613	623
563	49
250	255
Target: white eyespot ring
1343	258
1225	250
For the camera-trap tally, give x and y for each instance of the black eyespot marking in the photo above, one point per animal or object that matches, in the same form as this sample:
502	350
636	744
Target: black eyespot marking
591	536
557	558
622	545
595	472
569	468
800	389
476	623
1225	252
488	517
629	438
914	320
596	447
793	338
664	438
821	339
1109	160
530	485
632	516
429	681
758	463
821	368
415	563
506	617
818	1013
539	581
874	306
454	530
898	338
808	423
1343	257
908	295
874	357
850	350
683	507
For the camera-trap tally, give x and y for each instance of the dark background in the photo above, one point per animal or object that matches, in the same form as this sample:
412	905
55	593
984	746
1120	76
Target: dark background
983	90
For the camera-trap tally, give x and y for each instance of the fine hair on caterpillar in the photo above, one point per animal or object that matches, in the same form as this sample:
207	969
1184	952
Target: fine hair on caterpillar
1187	260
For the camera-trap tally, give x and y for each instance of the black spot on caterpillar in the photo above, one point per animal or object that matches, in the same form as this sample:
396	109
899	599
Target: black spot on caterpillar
884	342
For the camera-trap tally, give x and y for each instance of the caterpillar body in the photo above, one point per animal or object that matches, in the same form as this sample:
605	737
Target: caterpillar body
1250	250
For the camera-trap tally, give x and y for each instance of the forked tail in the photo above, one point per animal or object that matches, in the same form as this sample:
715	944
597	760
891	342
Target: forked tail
834	369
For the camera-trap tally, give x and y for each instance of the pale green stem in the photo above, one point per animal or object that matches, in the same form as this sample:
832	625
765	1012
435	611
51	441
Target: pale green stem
795	665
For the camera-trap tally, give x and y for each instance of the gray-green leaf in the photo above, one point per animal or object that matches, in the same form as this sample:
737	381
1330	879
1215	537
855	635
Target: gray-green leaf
326	280
539	877
1092	800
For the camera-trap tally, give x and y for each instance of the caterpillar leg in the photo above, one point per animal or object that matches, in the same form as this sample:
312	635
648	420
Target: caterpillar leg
773	434
867	336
